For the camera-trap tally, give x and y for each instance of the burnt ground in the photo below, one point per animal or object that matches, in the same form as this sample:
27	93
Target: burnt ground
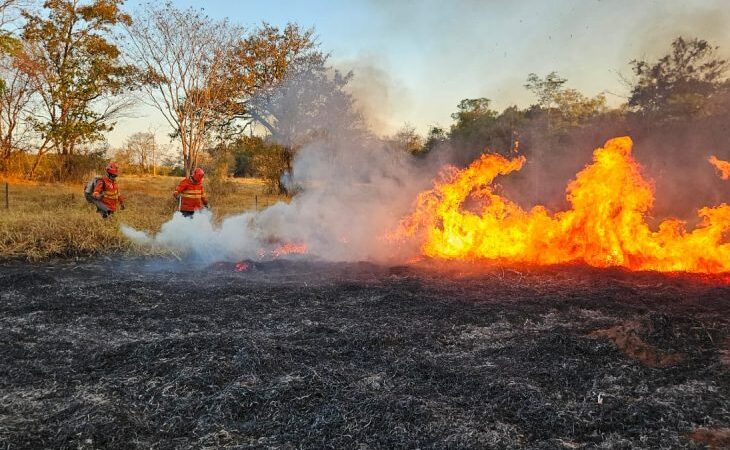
147	354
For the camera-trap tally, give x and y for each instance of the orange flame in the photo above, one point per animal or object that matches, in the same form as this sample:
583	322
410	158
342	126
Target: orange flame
605	226
289	248
722	166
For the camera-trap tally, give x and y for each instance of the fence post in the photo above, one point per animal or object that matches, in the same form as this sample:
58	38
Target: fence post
7	196
256	202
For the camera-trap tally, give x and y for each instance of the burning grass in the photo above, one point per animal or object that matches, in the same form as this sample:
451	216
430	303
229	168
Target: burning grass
306	355
54	220
463	217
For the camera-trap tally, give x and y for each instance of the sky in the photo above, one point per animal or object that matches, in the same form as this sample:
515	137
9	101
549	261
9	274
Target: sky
413	61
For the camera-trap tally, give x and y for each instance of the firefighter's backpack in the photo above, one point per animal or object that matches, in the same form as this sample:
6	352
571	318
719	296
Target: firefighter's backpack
89	189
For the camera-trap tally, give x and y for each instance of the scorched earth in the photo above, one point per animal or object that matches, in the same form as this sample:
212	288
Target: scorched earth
133	353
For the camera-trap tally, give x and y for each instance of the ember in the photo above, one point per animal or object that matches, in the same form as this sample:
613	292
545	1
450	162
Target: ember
605	227
241	266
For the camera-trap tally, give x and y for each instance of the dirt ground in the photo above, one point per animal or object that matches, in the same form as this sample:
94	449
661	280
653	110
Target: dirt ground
140	353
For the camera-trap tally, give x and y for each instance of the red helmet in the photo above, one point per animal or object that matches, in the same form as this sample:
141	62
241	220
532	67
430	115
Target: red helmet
112	169
198	175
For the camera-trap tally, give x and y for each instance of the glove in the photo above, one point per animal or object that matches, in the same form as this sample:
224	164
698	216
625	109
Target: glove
121	206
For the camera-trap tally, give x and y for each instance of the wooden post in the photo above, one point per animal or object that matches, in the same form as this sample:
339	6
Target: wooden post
154	159
7	196
256	203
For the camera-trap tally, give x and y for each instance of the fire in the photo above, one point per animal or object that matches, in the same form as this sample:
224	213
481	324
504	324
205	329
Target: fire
275	248
288	249
463	218
722	166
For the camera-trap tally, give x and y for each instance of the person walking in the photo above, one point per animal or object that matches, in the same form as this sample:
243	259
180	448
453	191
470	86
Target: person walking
106	194
190	193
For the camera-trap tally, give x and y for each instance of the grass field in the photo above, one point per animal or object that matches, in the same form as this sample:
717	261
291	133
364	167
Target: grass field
56	221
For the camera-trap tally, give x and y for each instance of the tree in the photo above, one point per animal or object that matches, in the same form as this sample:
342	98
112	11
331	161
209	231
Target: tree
183	54
142	149
262	66
280	81
407	140
247	153
436	136
575	108
16	103
546	88
472	110
680	84
479	128
77	72
474	124
16	89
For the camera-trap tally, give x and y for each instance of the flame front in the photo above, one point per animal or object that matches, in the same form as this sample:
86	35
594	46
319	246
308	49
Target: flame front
463	218
722	166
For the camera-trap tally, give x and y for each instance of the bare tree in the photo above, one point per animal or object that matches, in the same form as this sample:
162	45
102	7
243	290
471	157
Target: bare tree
10	10
182	53
142	148
16	104
16	89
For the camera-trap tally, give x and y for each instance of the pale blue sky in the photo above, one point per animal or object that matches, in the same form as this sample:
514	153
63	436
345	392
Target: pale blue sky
415	60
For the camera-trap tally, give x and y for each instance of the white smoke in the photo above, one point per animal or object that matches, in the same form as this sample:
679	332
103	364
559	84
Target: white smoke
198	237
351	197
354	190
342	214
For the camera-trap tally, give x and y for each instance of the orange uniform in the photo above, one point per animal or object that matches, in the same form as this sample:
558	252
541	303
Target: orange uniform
191	194
106	191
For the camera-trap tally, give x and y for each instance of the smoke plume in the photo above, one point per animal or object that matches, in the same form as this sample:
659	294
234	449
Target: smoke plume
353	190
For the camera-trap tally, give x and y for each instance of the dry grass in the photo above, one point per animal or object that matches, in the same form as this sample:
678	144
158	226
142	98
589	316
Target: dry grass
56	221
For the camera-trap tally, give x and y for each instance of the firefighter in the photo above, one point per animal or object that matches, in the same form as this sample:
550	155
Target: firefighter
106	194
190	194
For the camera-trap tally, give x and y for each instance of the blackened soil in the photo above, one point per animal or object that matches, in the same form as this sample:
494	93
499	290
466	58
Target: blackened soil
149	354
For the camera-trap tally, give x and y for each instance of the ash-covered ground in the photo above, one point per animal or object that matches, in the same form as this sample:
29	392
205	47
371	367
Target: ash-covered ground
128	353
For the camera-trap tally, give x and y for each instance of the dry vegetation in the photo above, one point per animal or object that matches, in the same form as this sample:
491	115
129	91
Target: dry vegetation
54	220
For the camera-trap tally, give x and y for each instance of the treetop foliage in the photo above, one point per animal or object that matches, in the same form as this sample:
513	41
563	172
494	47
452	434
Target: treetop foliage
678	85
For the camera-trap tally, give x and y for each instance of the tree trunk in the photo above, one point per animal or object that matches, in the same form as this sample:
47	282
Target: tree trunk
38	157
287	155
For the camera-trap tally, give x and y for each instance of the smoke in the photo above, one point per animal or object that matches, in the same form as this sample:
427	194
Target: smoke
346	206
199	238
353	190
381	98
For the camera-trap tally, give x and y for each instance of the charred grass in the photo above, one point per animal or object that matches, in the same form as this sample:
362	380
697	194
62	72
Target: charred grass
149	354
46	221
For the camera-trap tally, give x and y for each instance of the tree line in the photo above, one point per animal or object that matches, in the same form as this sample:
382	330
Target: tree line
686	91
70	69
242	101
